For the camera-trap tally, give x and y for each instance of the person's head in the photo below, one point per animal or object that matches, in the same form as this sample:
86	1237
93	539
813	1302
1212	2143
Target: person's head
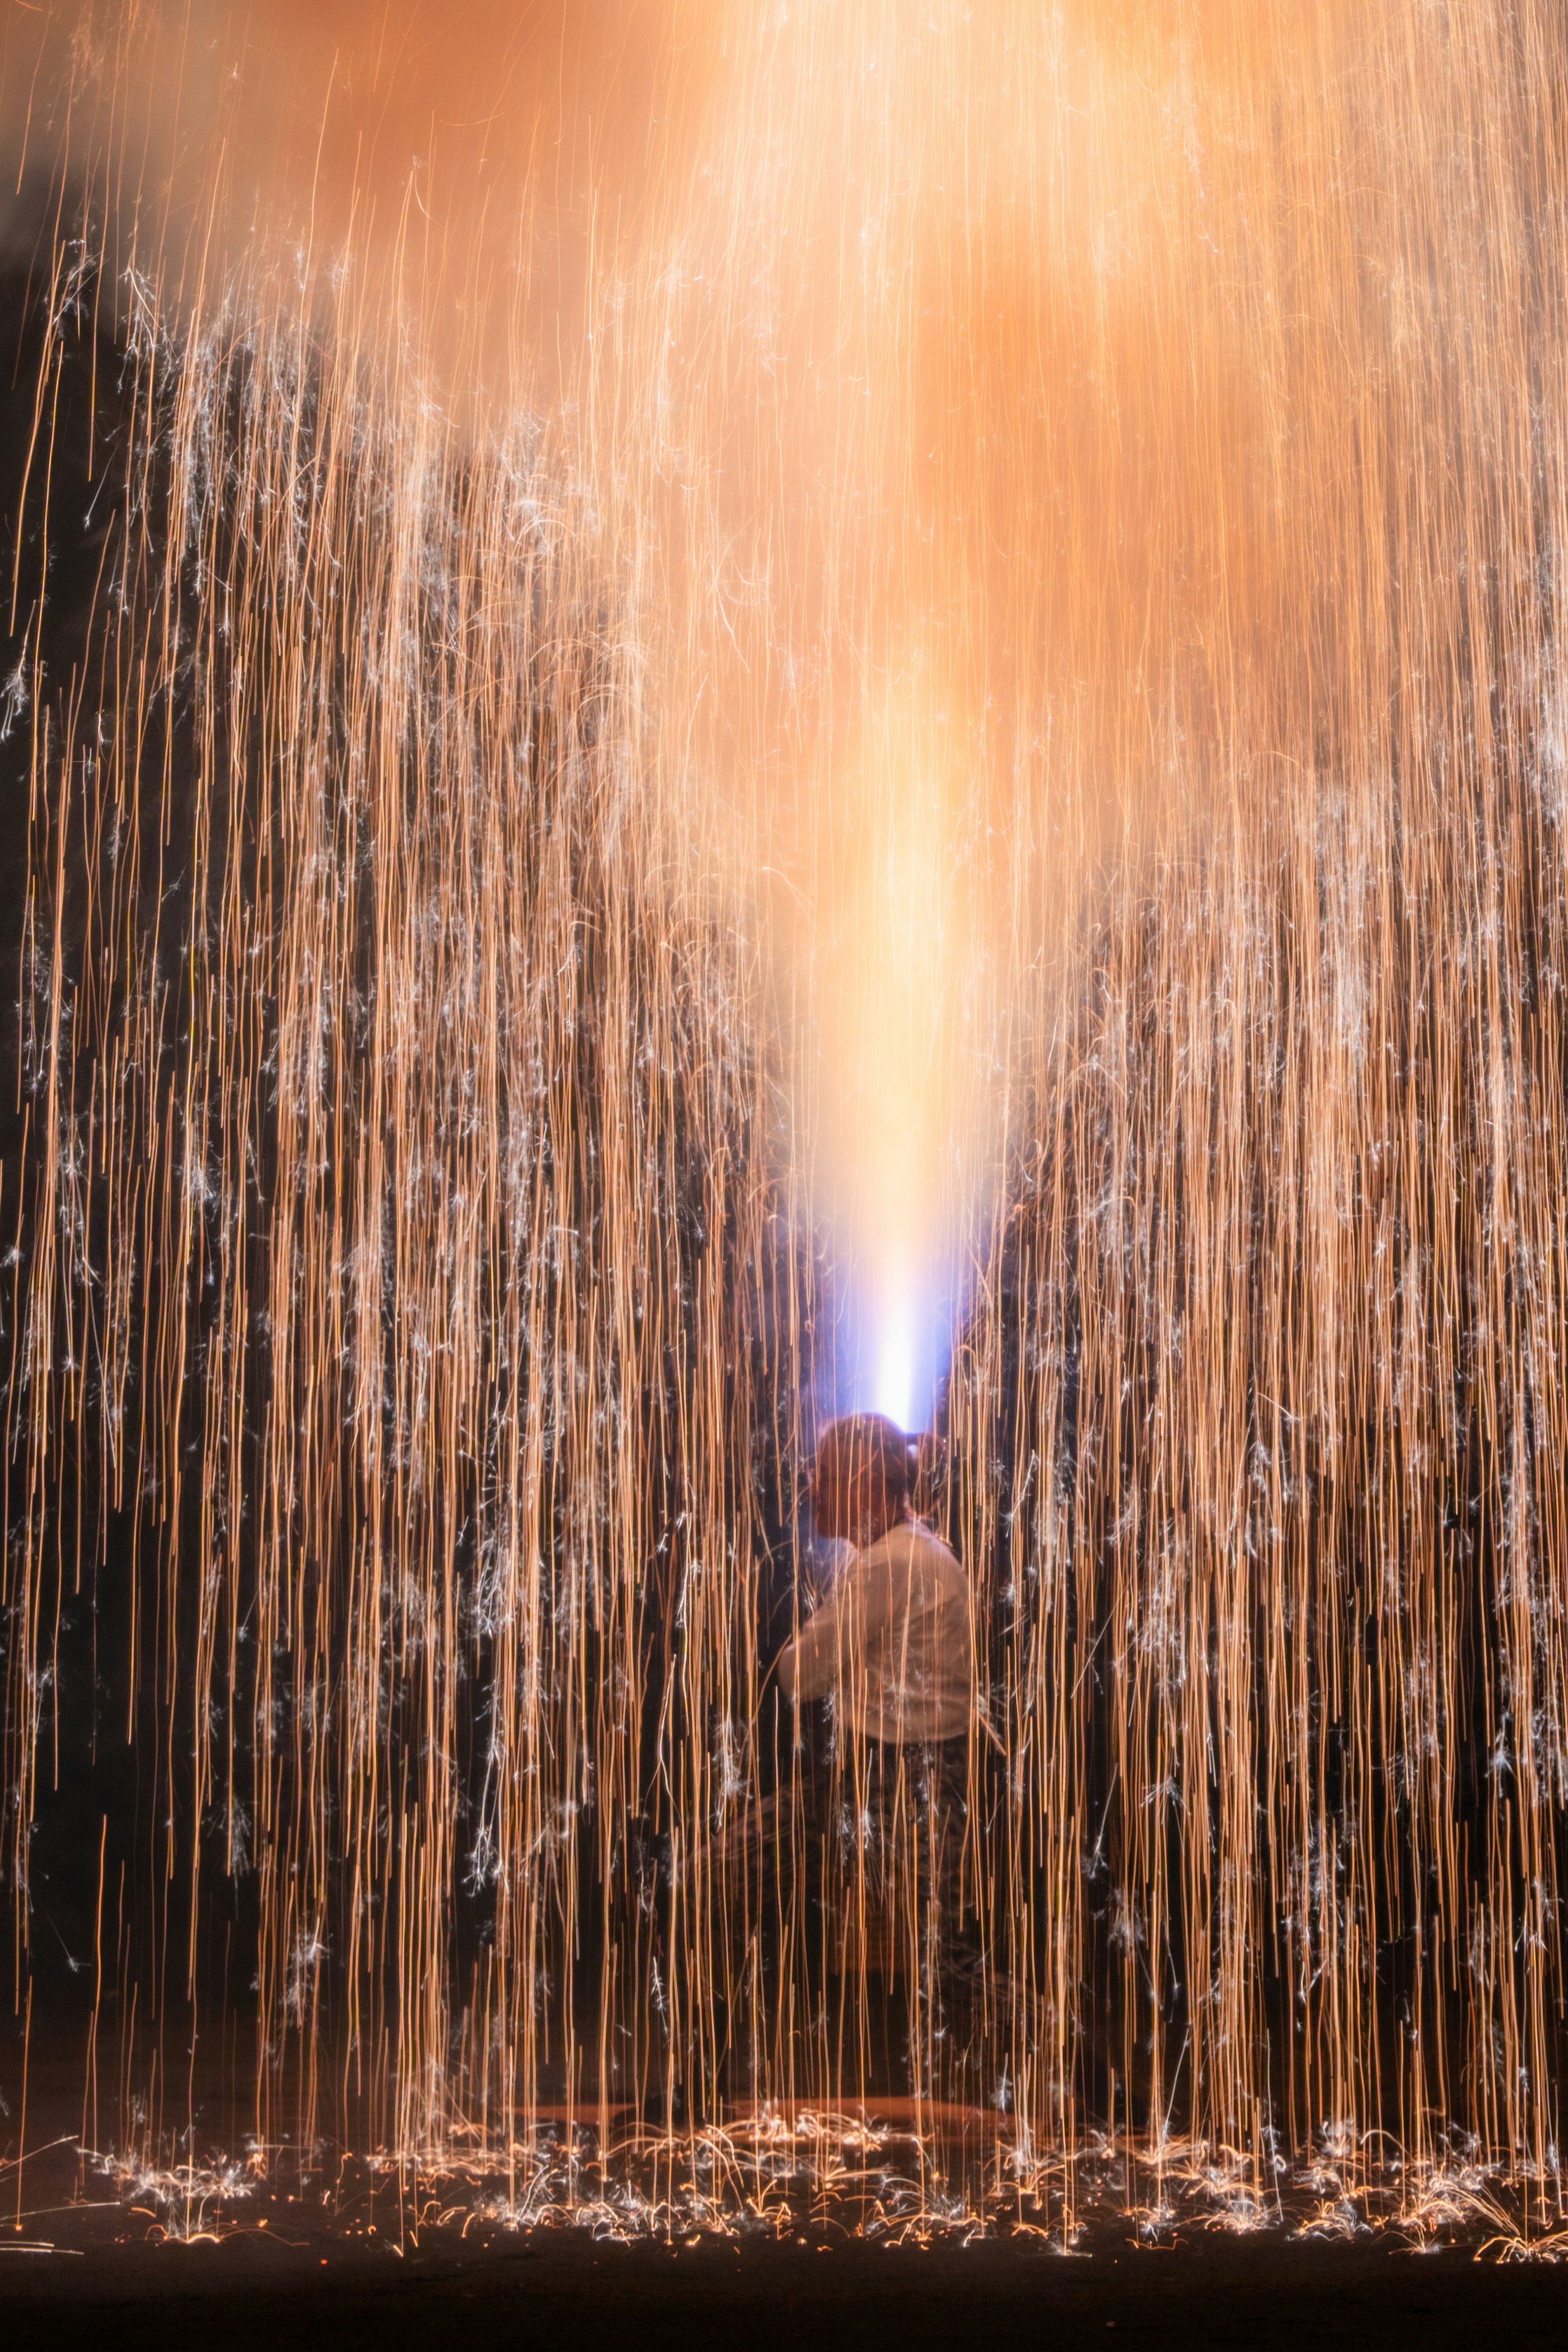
860	1478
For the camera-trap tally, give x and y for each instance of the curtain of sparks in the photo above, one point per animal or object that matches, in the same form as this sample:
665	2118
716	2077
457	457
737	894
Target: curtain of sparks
1019	732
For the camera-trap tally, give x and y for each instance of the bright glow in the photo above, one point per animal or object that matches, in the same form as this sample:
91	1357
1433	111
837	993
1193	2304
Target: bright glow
894	1390
901	1342
903	1099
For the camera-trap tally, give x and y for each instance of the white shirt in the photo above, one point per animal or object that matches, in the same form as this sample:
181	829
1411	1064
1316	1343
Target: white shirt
891	1640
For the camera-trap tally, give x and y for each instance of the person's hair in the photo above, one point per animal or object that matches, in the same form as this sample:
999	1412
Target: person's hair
871	1441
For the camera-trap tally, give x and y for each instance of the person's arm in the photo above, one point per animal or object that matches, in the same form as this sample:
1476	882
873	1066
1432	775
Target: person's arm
809	1666
859	1605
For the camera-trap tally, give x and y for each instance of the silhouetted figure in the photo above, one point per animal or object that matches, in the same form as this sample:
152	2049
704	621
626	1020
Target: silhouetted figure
890	1642
890	1650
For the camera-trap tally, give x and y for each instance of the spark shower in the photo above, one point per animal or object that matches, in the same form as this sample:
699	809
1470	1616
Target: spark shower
709	709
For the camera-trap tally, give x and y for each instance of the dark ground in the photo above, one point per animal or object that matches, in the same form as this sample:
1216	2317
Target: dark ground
105	2251
571	2291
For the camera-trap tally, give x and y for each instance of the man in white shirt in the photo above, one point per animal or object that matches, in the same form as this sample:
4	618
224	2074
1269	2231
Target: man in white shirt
890	1648
891	1639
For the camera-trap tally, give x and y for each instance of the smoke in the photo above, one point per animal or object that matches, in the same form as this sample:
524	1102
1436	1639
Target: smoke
953	389
941	388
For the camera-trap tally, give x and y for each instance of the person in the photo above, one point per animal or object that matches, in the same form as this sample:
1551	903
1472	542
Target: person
889	1648
891	1640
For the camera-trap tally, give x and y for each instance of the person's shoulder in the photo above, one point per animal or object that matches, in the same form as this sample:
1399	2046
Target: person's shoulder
925	1549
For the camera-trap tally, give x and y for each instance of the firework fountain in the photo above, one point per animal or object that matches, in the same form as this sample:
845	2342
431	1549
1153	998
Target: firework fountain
914	754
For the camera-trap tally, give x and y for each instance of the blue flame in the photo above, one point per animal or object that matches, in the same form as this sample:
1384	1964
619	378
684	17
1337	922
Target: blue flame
901	1342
